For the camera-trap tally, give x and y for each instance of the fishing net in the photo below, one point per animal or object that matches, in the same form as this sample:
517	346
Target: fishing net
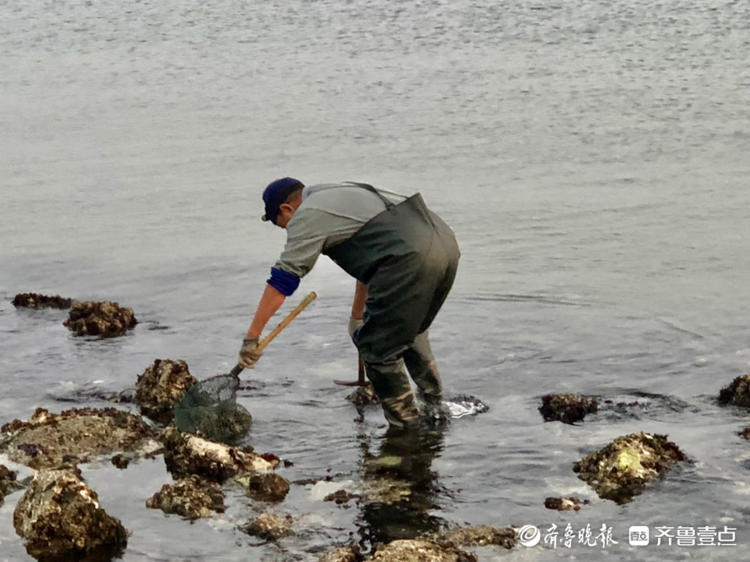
209	409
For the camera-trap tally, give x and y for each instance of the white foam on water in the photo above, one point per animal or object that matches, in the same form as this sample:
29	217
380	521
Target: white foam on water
463	406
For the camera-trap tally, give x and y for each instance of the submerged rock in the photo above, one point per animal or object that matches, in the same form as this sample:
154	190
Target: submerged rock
622	469
73	436
480	535
567	408
268	526
340	497
160	386
564	504
363	396
106	319
59	516
349	553
737	393
35	300
186	454
192	497
8	482
420	551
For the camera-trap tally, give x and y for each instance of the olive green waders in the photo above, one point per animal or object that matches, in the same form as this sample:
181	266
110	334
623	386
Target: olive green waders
407	256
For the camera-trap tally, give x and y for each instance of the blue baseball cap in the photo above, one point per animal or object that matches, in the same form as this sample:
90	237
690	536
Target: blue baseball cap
277	193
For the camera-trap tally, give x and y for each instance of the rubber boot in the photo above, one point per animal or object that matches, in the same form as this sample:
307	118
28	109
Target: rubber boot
392	387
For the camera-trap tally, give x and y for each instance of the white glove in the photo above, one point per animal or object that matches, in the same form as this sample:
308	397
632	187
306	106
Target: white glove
354	326
249	353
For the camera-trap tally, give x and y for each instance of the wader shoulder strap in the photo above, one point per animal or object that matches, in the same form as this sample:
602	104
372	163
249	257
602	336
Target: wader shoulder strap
388	204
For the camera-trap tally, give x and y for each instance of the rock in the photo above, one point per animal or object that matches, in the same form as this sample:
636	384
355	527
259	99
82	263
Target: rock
160	386
567	408
269	527
564	504
192	497
363	396
35	300
121	461
737	393
59	516
480	535
106	319
264	486
745	433
340	497
8	482
628	464
186	454
420	551
349	553
73	436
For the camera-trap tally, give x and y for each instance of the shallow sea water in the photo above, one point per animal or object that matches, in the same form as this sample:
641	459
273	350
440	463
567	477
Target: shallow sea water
591	157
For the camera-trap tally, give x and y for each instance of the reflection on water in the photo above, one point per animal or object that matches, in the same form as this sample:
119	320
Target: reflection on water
401	488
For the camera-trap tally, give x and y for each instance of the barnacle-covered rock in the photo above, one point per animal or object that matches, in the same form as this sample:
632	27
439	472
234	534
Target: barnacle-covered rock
35	300
264	486
106	319
480	535
622	469
564	504
567	408
59	517
73	436
186	454
269	526
160	386
192	497
348	553
737	393
420	551
8	482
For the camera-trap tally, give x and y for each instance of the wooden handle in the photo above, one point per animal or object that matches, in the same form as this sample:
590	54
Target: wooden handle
285	322
277	330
